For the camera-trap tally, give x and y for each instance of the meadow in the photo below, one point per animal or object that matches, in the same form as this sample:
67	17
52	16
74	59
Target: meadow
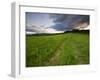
69	48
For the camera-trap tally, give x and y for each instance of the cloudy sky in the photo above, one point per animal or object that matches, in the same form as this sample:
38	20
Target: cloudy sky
54	23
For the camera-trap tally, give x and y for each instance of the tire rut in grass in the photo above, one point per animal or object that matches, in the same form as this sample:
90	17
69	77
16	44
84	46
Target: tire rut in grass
54	59
77	52
78	55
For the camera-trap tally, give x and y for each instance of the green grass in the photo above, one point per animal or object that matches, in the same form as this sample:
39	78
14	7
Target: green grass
70	48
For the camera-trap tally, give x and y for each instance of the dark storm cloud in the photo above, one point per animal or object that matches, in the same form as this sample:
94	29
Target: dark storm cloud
61	27
71	17
68	21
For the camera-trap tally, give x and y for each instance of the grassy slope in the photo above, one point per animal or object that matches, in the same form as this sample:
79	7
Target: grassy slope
63	49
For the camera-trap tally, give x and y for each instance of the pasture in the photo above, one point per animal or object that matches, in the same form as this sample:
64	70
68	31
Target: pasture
70	48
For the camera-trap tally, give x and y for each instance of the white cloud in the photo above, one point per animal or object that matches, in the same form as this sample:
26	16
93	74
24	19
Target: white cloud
38	30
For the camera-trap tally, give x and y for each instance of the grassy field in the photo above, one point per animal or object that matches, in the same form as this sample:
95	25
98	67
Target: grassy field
70	48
